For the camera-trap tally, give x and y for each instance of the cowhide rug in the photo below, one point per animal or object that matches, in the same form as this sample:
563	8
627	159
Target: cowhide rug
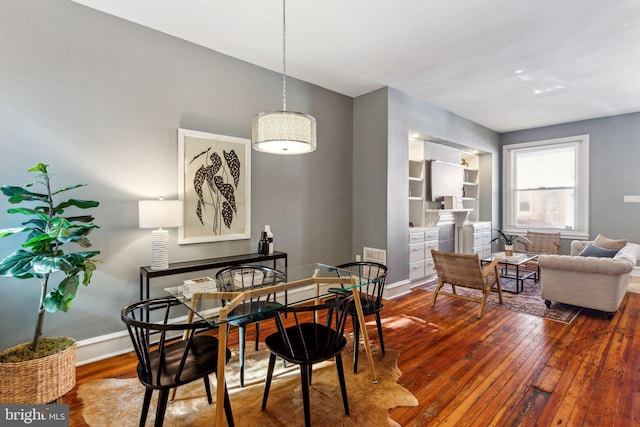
117	402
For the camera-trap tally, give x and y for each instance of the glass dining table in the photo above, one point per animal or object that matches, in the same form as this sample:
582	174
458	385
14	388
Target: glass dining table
295	285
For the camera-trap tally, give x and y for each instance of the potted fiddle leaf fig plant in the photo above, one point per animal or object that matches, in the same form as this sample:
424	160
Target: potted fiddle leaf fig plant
44	256
509	241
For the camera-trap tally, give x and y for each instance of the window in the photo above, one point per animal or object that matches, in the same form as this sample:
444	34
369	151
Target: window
546	186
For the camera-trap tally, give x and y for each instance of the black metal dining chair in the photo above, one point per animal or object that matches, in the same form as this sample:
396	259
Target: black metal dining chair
170	354
307	342
254	310
372	276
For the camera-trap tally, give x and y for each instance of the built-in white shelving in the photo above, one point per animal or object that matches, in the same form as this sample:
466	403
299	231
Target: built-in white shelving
470	186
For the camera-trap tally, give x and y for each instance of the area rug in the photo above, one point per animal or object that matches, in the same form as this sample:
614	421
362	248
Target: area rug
528	301
117	402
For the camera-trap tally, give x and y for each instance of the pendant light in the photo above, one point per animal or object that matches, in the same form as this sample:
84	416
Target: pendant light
283	132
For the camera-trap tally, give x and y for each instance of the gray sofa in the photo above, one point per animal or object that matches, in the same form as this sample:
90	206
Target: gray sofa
590	282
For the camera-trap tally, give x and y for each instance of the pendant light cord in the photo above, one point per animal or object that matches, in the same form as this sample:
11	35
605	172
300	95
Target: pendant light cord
284	56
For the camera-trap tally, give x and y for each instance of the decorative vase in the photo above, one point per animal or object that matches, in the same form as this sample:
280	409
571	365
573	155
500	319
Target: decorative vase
263	244
38	381
508	250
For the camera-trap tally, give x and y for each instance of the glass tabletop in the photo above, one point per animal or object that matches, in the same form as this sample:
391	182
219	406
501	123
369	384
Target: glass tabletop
517	258
294	285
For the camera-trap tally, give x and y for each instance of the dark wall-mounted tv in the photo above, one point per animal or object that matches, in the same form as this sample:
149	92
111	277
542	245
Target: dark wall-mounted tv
445	179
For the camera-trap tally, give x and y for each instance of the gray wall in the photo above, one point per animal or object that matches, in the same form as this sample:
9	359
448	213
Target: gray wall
100	100
405	114
614	149
370	171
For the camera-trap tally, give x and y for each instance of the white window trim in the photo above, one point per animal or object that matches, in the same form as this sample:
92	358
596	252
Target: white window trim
582	186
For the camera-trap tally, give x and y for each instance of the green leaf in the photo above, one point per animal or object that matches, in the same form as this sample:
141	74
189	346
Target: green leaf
59	228
71	187
38	241
20	194
81	218
18	264
27	211
82	204
44	264
80	257
36	223
82	241
9	231
60	299
77	234
88	268
40	167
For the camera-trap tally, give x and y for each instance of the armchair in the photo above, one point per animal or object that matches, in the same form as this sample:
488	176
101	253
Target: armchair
538	243
464	270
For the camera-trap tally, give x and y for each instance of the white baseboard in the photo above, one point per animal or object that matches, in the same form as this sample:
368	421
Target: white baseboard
394	290
635	272
403	287
102	347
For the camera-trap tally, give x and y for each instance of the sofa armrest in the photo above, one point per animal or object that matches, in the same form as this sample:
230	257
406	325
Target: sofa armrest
630	253
578	246
622	263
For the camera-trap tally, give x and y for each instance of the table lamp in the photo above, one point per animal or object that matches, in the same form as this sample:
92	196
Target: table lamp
160	214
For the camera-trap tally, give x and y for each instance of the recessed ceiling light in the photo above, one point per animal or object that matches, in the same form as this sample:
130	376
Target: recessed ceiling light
548	89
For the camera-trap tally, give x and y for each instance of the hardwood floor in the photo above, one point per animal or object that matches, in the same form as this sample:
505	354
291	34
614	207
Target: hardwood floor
505	369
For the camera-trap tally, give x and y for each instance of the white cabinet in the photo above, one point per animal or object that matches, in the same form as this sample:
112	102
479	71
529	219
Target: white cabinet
430	242
476	238
416	253
421	241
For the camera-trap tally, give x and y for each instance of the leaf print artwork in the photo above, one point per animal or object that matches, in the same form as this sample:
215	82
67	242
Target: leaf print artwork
214	182
216	196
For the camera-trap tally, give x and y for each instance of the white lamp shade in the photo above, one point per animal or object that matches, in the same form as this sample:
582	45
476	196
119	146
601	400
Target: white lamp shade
160	213
283	132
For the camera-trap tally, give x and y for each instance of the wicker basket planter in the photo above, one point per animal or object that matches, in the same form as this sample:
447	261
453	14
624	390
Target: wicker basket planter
38	381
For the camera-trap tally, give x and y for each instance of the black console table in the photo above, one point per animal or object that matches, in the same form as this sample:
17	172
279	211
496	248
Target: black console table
146	273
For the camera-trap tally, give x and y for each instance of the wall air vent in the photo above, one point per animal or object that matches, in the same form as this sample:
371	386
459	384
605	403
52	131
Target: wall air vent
374	255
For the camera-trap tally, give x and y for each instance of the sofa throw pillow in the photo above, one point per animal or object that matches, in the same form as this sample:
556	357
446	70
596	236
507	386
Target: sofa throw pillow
605	242
597	251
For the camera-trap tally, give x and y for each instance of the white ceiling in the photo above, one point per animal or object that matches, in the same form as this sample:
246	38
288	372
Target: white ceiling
505	64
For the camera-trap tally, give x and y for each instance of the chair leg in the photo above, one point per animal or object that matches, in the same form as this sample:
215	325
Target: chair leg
207	387
379	323
145	406
343	385
163	398
330	318
304	376
356	342
227	407
435	294
242	337
257	335
485	294
499	286
267	382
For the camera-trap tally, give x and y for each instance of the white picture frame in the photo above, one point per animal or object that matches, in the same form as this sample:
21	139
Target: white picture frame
214	183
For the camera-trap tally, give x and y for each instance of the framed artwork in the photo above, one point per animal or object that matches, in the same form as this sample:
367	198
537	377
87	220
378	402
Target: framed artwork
214	182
